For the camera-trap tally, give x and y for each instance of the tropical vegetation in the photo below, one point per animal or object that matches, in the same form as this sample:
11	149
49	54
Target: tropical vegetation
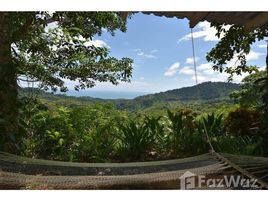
50	47
89	131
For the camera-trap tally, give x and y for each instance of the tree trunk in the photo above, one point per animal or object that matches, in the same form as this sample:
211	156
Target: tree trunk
8	90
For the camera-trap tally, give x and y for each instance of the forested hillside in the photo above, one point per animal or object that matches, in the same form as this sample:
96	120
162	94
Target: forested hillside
164	125
204	92
208	92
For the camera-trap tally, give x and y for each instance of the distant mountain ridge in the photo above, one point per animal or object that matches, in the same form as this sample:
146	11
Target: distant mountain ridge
203	92
206	91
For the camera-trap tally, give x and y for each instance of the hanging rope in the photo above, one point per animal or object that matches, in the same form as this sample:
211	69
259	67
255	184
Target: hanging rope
193	50
208	138
205	129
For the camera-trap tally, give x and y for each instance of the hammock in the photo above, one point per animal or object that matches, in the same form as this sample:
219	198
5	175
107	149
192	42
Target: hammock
18	172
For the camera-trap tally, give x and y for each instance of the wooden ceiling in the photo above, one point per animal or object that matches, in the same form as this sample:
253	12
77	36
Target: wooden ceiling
250	20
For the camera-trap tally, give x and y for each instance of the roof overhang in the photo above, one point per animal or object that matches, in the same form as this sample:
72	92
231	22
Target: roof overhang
249	20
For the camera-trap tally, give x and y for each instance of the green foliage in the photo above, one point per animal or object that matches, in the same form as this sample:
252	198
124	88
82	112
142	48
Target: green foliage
49	54
250	92
242	121
213	124
176	127
97	145
30	109
96	127
135	140
34	49
183	98
205	92
54	134
252	96
84	133
99	133
236	42
49	47
224	141
156	126
181	128
240	145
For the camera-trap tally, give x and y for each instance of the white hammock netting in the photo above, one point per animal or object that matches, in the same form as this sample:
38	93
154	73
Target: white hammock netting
18	172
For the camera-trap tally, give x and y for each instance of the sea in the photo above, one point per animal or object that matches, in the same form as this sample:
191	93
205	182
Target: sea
106	94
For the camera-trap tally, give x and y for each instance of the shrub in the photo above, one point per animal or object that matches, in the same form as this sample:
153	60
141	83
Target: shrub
242	122
98	145
135	140
181	129
212	123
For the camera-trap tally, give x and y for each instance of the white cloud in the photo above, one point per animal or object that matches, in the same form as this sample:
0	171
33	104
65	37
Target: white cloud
262	45
262	68
153	51
200	78
87	42
205	31
204	66
233	62
173	69
142	78
209	71
144	54
253	55
190	60
218	77
187	70
239	78
104	30
149	56
205	73
96	43
51	26
215	77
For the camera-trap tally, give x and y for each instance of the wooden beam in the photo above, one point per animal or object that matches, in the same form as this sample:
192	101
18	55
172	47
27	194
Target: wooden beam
258	21
237	18
227	19
197	17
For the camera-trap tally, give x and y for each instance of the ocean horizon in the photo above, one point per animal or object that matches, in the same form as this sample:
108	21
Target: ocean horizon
106	94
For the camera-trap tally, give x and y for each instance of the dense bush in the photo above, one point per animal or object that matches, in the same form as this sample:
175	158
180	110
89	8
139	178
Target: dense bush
101	133
242	122
84	133
135	140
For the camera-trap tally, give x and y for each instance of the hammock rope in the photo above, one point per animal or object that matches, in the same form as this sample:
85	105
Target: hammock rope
198	92
193	52
21	172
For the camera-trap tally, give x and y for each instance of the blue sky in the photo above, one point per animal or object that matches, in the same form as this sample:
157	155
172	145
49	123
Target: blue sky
162	53
161	50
